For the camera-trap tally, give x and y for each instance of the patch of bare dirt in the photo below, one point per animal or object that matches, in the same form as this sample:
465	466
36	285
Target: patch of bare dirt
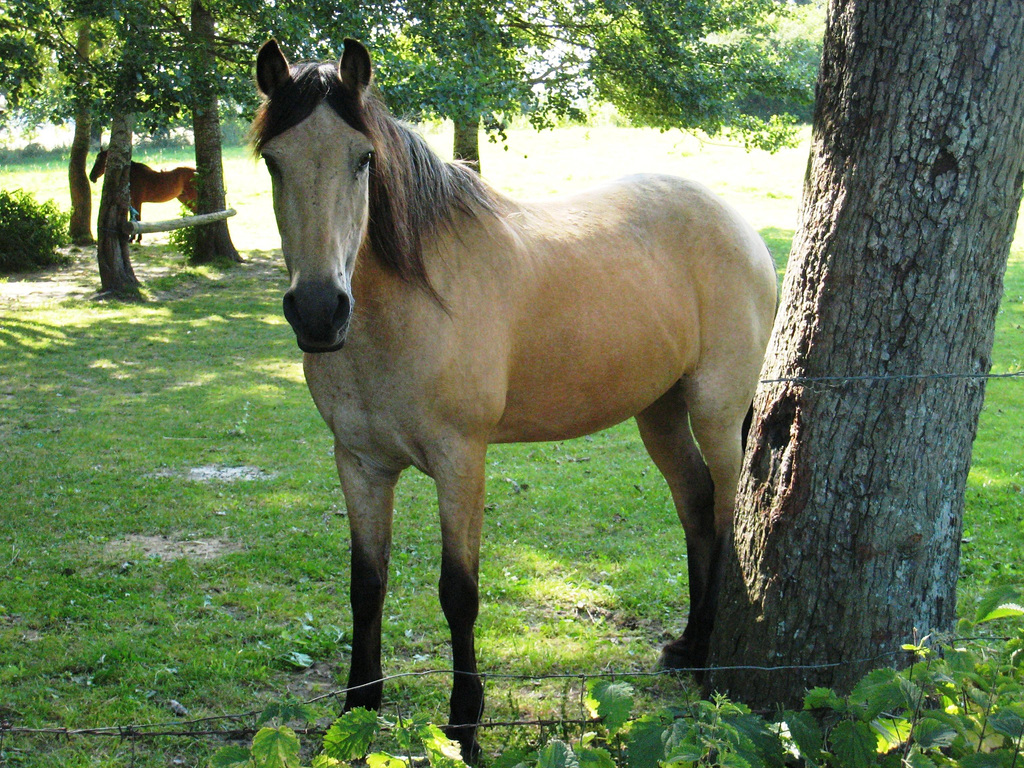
217	473
315	681
79	280
168	548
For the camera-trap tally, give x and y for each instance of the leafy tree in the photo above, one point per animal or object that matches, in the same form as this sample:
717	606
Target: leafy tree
697	65
481	59
48	44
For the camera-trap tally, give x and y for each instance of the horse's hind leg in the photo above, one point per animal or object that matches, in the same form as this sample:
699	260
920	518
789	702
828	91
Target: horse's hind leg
703	485
136	200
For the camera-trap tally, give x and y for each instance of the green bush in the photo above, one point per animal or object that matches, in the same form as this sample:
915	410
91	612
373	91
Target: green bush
30	232
184	240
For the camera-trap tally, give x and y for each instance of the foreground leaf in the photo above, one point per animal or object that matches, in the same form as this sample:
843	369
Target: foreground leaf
442	752
275	748
557	754
764	740
1008	723
853	744
879	691
806	734
231	757
595	758
1002	601
612	701
916	759
644	746
931	733
824	698
384	760
351	734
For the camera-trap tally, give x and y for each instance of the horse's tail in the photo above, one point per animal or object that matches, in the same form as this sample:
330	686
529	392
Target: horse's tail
748	420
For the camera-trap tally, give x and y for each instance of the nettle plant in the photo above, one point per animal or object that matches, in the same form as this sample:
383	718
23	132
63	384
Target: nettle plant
961	703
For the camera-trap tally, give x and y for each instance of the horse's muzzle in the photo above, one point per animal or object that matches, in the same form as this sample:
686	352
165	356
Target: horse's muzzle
319	315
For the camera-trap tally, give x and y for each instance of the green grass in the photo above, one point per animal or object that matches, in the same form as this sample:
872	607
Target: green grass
106	407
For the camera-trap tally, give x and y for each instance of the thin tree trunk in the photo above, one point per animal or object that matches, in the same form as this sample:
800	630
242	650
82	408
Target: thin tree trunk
847	537
213	241
80	227
117	278
467	141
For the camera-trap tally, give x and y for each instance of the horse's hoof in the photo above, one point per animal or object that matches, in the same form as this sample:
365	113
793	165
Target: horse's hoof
684	656
471	752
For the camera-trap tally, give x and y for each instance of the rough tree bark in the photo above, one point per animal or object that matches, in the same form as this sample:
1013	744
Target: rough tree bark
847	537
117	278
466	144
80	226
213	241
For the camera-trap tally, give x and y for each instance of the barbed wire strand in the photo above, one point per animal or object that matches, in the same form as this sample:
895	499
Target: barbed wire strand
875	378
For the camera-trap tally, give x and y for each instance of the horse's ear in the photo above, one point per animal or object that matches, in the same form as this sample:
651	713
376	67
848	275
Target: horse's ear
354	67
271	68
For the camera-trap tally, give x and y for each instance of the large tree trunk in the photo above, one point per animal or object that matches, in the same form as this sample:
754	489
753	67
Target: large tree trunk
847	537
117	278
80	227
213	241
466	145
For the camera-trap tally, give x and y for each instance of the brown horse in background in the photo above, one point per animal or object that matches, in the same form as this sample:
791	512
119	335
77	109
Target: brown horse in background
146	185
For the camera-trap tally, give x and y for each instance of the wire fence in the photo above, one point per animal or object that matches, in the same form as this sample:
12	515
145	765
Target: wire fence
835	381
574	711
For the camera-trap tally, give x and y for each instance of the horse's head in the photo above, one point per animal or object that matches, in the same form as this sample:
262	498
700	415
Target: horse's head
319	164
99	166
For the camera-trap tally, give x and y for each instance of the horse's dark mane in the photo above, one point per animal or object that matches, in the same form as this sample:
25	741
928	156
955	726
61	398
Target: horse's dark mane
413	193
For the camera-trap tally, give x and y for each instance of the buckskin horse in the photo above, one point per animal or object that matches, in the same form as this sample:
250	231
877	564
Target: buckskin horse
438	316
146	185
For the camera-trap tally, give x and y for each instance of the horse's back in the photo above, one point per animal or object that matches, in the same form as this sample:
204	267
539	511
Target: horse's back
672	242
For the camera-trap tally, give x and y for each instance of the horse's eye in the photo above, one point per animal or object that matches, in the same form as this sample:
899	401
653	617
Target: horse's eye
364	162
272	166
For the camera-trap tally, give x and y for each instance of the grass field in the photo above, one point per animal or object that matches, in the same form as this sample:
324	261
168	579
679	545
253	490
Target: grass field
171	527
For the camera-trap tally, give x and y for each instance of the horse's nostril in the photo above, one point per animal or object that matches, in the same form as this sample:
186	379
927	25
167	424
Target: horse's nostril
343	310
291	311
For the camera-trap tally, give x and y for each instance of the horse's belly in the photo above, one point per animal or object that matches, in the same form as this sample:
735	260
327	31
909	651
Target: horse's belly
567	396
528	425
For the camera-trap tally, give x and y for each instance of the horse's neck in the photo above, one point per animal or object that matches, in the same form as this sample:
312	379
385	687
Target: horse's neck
385	303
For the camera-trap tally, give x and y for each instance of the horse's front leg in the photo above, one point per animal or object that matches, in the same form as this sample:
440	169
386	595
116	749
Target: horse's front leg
369	500
460	490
